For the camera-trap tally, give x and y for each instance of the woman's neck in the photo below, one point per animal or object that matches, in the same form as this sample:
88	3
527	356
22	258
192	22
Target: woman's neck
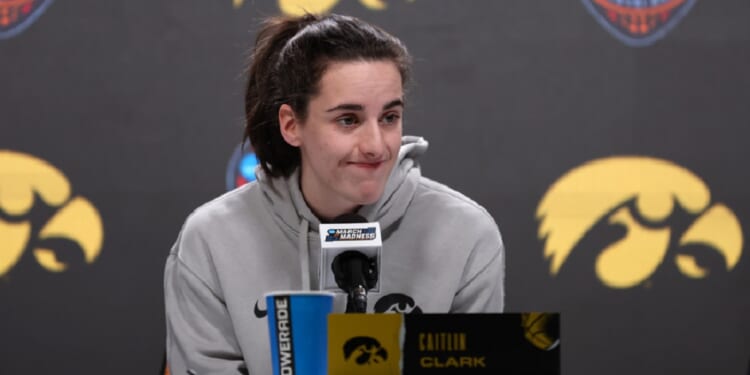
324	206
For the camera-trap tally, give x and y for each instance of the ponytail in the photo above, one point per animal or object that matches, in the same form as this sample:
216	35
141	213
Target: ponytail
262	96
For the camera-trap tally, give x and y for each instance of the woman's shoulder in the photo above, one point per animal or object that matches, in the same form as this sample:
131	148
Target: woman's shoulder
437	200
235	206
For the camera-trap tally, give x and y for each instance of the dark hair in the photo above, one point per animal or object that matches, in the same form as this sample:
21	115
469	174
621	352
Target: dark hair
287	62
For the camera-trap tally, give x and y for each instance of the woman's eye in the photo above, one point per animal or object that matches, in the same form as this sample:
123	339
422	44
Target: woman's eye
391	118
347	120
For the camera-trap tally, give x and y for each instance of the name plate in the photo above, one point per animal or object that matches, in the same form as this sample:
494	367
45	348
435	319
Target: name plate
442	344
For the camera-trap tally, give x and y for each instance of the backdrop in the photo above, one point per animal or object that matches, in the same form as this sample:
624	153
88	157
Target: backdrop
608	138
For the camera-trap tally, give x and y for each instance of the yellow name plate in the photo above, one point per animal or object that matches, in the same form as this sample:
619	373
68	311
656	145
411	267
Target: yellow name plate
443	344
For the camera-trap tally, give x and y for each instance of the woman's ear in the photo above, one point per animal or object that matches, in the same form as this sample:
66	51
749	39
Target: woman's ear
289	125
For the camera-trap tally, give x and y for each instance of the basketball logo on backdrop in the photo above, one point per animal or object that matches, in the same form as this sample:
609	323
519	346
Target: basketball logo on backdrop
301	7
28	183
241	167
639	23
17	15
645	197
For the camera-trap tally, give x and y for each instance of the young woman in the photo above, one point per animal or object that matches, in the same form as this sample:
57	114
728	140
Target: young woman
324	106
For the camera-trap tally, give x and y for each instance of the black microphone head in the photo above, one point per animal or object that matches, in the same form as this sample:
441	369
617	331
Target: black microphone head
349	219
349	268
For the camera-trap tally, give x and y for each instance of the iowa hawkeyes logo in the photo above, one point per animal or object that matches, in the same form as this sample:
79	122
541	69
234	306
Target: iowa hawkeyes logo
23	179
300	7
541	329
638	194
364	350
17	15
397	303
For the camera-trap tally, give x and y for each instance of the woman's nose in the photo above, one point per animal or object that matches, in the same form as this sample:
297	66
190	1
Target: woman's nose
371	142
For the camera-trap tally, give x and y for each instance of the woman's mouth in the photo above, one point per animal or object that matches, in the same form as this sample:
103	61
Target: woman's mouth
366	165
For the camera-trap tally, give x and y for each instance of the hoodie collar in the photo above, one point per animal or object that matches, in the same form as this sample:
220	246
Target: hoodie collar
289	207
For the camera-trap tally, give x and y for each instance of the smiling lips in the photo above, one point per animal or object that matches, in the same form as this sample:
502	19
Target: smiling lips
366	165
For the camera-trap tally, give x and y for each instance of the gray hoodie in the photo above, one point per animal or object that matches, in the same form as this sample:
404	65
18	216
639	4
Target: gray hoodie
442	252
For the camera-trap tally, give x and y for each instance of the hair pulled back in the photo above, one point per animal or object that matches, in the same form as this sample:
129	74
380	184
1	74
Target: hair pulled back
287	63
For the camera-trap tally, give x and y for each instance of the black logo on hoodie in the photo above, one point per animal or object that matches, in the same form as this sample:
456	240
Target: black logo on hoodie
397	303
364	351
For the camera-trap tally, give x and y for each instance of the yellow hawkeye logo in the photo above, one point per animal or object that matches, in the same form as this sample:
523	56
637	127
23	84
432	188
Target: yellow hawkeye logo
23	178
537	331
300	7
602	189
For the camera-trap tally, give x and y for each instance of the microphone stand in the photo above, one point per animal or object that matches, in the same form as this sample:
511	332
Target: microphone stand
355	273
357	300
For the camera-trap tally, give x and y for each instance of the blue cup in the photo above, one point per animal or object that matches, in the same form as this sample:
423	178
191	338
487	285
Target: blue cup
298	326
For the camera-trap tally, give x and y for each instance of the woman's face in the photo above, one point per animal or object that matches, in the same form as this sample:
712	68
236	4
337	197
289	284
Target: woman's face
351	137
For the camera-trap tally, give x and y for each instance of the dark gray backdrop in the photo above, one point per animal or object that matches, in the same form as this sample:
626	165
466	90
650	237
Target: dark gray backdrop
139	104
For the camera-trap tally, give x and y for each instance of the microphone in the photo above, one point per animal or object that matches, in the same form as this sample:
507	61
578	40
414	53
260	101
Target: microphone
352	247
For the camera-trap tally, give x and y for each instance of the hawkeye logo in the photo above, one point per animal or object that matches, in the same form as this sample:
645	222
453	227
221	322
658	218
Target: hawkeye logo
23	179
541	329
300	7
370	344
17	15
354	234
640	195
397	303
639	23
364	351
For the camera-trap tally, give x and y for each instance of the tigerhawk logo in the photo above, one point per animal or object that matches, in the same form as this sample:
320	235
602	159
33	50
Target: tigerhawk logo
300	7
638	194
541	329
364	350
23	179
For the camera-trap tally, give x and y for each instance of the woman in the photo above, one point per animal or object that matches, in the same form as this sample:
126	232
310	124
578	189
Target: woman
324	106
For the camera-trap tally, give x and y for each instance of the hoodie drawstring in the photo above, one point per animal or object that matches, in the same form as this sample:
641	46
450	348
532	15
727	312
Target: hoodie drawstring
304	227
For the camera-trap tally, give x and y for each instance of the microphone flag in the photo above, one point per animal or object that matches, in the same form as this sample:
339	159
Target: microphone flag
337	238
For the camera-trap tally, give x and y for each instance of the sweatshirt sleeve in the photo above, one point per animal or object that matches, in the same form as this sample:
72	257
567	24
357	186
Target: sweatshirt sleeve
482	288
200	335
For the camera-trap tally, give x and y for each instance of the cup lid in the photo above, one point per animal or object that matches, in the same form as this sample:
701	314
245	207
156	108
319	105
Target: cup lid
298	293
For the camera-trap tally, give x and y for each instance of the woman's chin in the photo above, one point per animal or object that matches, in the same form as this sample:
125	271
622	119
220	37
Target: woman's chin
368	195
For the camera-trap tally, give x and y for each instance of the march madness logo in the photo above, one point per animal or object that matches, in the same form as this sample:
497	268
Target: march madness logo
300	7
663	212
353	234
40	215
639	23
241	166
17	15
